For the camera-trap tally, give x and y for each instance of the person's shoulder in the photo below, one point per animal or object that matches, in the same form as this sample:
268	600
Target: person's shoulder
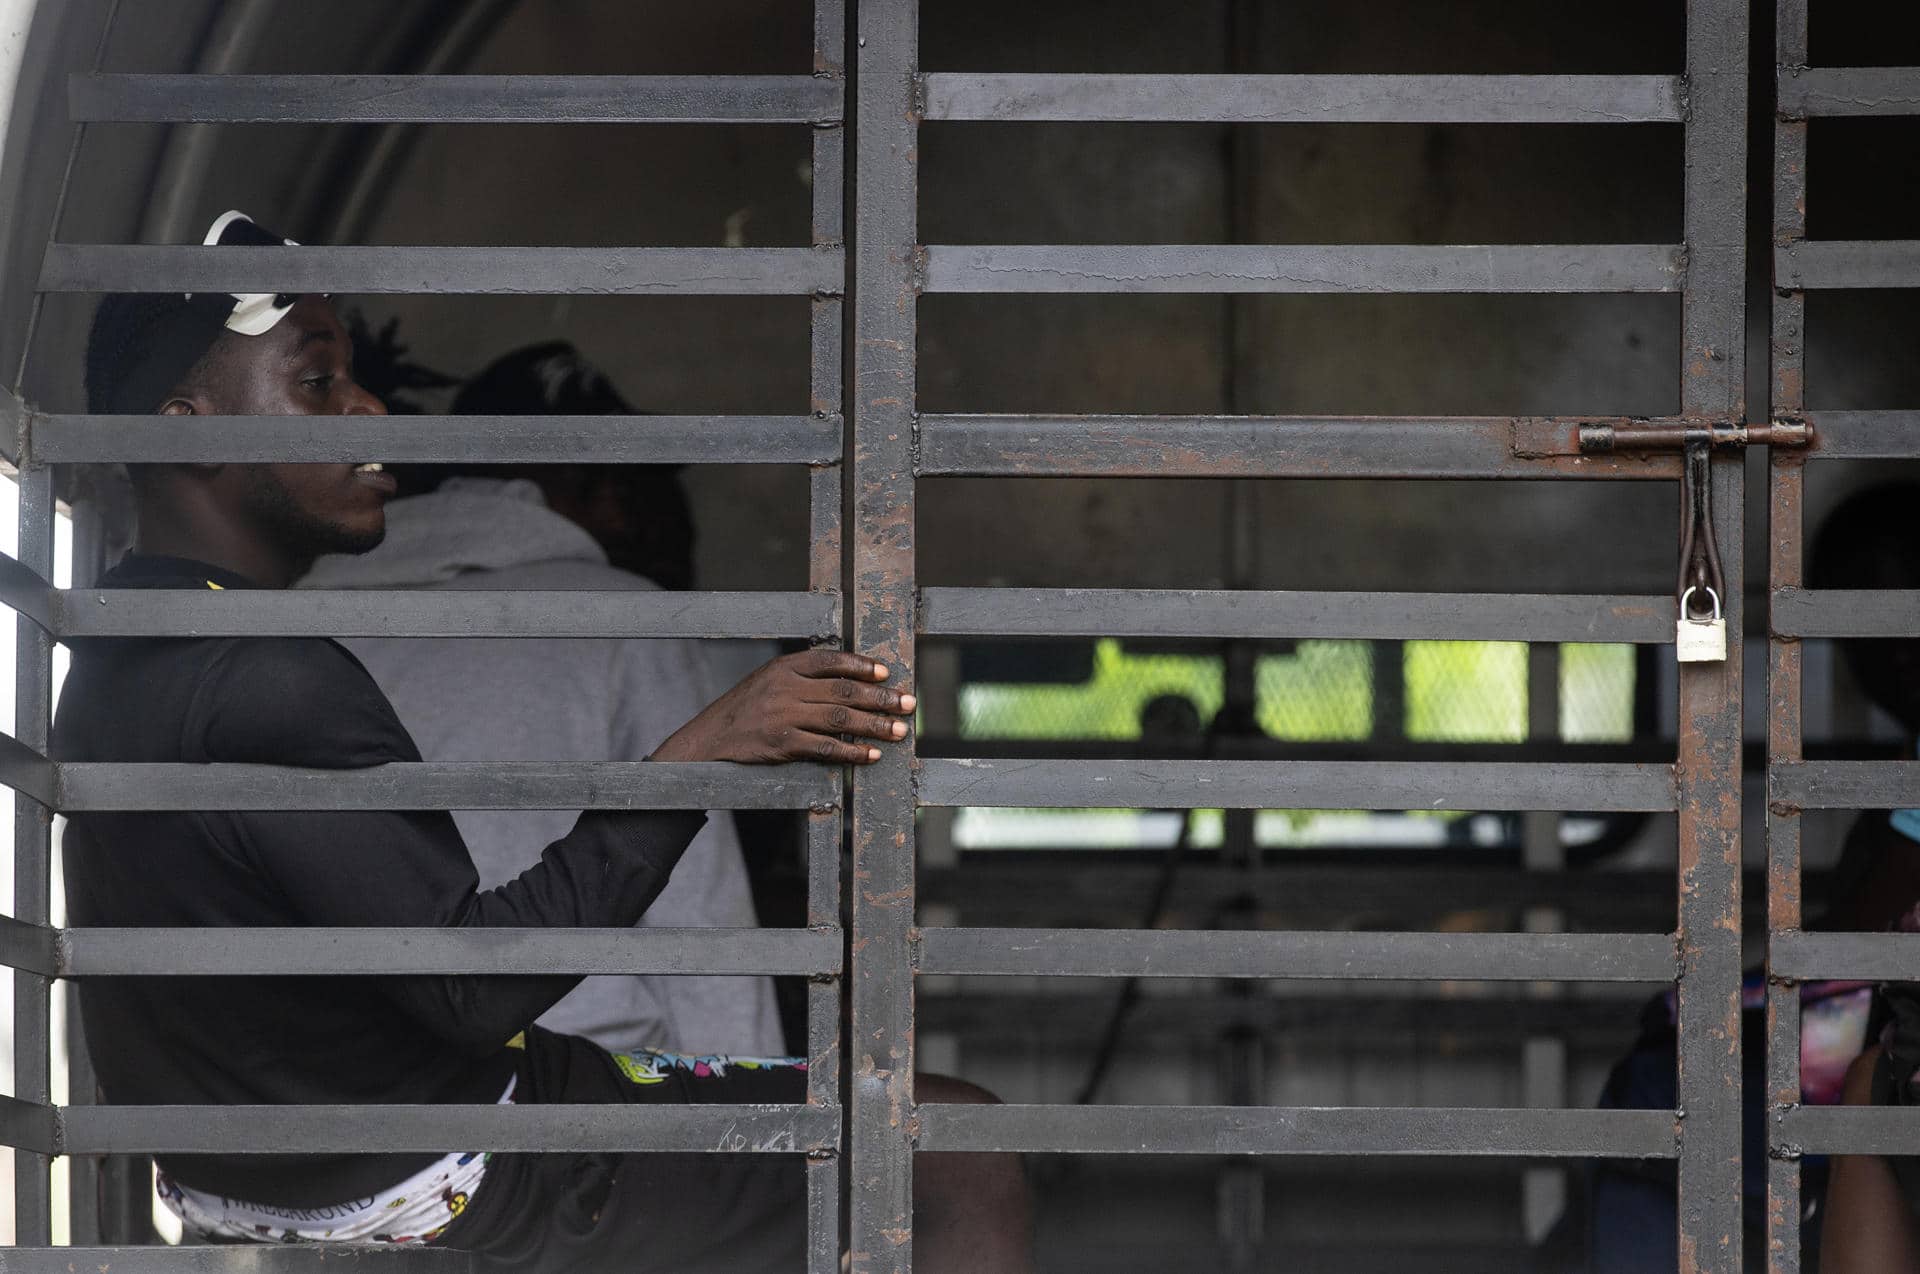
296	701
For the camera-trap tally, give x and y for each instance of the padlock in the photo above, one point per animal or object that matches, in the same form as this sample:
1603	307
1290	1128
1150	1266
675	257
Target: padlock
1701	641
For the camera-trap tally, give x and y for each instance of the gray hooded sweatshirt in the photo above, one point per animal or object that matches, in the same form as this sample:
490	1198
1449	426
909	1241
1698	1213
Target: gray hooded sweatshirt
477	699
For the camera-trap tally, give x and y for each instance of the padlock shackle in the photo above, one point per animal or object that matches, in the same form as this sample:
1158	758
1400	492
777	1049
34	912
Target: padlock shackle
1690	591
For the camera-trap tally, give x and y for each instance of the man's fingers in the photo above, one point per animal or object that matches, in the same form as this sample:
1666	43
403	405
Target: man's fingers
835	719
840	663
854	694
802	746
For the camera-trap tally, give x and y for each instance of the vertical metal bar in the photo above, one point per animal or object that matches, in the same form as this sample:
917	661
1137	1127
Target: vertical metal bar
33	685
1785	471
1713	324
1543	1058
885	293
825	493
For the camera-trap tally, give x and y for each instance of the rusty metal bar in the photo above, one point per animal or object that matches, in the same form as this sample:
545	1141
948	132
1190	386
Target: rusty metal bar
1812	264
1839	435
1339	785
1712	370
1845	785
1850	1130
1307	99
881	580
417	270
1796	612
1810	91
1272	447
1237	953
1809	957
1298	1130
1304	268
1677	436
810	440
825	498
453	99
1095	612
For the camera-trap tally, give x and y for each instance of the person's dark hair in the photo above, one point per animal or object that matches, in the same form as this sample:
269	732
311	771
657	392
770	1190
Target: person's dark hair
1872	541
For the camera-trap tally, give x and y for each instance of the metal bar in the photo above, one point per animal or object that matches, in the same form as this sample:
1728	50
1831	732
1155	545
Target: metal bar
1363	1015
1810	264
1712	374
438	439
1303	268
1856	435
1299	1130
1679	435
1239	953
1270	447
377	952
453	99
252	1258
1796	612
533	1128
32	858
439	613
28	1125
1051	612
1809	91
880	581
1050	784
1307	99
1849	1130
511	271
1880	957
31	948
449	785
23	591
25	770
1845	785
826	495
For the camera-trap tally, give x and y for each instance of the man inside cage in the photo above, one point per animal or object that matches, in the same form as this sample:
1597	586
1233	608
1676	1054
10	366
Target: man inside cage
561	528
411	1039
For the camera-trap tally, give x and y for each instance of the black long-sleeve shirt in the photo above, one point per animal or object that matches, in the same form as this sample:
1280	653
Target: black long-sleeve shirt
280	1040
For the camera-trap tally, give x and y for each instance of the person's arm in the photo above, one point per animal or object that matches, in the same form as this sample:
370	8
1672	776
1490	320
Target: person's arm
1869	1228
304	703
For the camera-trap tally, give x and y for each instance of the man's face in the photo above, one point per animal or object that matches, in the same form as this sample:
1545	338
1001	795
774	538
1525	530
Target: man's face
303	367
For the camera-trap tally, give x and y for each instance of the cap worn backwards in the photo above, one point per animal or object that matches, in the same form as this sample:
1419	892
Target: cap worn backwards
142	345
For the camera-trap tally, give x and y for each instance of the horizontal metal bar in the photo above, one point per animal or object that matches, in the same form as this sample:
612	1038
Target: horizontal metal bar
1307	99
249	1258
24	592
14	413
1865	435
1839	1130
1386	785
454	99
28	947
1092	612
467	785
27	1125
511	271
1302	268
1845	785
1235	953
1270	447
375	952
127	612
25	770
329	1130
1879	957
1389	1018
1798	612
1807	91
1811	264
809	440
1299	1130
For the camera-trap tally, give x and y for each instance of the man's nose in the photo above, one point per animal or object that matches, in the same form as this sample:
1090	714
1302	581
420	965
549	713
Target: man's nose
363	403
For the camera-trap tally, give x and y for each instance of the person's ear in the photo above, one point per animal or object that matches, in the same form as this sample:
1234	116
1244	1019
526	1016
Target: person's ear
178	406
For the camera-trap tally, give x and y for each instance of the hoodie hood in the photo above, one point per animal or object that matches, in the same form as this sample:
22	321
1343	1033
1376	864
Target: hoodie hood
468	524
